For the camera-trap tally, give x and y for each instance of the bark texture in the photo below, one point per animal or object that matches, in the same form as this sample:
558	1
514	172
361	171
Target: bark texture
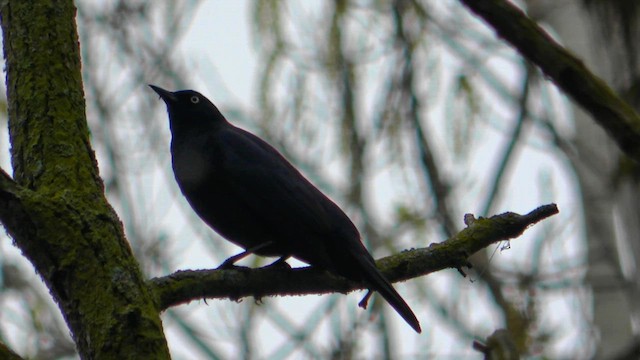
54	208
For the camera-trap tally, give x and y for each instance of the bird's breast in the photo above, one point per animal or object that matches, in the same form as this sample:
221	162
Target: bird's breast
191	168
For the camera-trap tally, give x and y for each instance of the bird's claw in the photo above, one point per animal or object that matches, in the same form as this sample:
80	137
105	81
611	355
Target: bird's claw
281	263
228	264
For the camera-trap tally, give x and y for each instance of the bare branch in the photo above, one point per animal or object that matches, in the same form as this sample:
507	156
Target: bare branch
500	345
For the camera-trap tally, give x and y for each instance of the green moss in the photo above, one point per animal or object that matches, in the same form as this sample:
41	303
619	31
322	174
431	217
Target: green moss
68	230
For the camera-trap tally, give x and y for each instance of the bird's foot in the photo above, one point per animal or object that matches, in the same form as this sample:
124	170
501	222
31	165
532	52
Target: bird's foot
281	263
229	263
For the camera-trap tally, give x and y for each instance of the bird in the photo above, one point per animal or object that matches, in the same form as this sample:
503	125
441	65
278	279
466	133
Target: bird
250	194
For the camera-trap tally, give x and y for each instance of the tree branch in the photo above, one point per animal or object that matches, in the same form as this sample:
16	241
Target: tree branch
8	354
8	187
499	345
616	116
11	207
188	285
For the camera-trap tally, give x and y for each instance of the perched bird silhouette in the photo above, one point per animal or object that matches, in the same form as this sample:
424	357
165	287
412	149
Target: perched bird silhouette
250	194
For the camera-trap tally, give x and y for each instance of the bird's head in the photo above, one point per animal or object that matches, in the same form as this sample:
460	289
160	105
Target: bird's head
189	109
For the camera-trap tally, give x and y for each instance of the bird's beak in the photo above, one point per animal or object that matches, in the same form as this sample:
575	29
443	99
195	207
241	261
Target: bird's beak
166	95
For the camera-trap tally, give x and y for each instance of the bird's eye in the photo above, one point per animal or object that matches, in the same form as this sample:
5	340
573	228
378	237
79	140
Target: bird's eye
195	99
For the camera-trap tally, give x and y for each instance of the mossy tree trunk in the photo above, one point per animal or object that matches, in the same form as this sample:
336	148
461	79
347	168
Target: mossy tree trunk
74	238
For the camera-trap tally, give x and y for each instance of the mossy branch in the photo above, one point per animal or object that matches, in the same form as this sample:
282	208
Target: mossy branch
188	285
8	354
11	205
568	72
8	188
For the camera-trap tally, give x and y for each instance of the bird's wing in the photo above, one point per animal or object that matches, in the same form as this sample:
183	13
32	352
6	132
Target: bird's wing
278	194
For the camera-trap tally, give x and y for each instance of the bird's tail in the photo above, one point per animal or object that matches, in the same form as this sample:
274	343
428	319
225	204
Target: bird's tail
379	283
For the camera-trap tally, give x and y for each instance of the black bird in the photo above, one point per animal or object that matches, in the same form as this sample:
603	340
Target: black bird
250	194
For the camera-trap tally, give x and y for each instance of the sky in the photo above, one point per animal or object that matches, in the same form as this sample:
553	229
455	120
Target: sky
224	61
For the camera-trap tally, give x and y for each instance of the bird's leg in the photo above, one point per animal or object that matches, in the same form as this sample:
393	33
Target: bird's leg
229	263
280	263
365	300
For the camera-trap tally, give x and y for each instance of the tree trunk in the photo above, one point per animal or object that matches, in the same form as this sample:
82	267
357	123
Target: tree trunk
74	239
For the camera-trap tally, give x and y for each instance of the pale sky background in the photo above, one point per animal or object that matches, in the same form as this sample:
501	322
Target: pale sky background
221	52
